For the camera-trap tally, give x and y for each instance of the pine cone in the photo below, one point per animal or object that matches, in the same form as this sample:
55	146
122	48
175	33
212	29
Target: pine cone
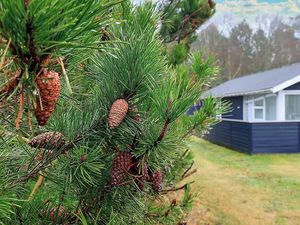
120	167
48	84
117	113
48	140
157	179
56	213
59	212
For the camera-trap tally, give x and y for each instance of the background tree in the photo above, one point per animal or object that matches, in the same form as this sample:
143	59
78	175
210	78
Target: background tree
110	137
243	50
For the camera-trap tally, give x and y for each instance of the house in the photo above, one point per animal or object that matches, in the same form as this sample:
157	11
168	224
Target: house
265	116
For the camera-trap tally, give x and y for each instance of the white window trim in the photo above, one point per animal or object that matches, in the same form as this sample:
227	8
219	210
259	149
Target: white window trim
263	107
251	115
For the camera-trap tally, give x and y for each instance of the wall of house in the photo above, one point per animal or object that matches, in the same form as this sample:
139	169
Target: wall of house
232	134
272	137
237	108
280	137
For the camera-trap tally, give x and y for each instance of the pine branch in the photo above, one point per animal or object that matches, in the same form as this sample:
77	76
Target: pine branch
163	132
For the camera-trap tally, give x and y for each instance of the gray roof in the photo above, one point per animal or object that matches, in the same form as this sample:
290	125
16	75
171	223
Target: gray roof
270	81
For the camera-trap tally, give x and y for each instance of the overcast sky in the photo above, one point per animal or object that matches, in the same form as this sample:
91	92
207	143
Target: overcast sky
258	13
251	8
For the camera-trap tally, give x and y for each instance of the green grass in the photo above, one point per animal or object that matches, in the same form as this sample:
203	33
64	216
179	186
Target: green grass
240	189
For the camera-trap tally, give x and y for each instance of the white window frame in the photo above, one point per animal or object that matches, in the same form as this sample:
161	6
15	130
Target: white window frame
252	107
263	107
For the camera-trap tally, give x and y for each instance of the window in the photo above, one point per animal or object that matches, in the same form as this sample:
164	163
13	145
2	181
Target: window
259	108
271	109
292	107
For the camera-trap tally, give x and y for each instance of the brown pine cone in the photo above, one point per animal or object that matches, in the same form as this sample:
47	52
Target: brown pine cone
117	113
48	140
59	212
48	83
157	179
56	213
120	166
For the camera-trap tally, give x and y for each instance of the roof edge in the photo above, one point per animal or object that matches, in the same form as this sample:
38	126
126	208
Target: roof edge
264	91
286	84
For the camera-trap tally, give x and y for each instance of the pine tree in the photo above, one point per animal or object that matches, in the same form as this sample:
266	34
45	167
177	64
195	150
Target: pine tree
180	21
116	137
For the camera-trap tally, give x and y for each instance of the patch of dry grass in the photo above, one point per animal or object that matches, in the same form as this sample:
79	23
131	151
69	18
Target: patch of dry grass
239	189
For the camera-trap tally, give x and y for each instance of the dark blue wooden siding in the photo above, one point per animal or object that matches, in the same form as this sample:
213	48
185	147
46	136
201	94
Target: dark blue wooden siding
251	138
275	137
237	108
232	134
294	87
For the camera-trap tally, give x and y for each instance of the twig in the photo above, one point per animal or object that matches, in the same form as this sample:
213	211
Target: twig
21	107
190	173
36	187
188	169
176	189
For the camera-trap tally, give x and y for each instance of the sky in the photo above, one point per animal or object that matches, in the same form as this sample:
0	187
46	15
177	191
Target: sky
249	9
257	12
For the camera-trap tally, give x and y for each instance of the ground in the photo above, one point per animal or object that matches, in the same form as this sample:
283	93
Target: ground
240	189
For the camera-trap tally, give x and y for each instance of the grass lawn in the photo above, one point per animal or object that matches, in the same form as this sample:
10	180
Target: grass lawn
239	189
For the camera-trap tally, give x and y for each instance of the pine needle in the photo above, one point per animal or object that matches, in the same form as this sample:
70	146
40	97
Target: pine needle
60	61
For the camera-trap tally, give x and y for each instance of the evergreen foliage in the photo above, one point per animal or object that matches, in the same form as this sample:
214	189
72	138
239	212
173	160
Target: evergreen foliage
189	16
70	183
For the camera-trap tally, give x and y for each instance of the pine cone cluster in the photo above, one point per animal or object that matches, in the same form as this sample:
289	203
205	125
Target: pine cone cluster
120	167
117	113
48	140
48	83
157	179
